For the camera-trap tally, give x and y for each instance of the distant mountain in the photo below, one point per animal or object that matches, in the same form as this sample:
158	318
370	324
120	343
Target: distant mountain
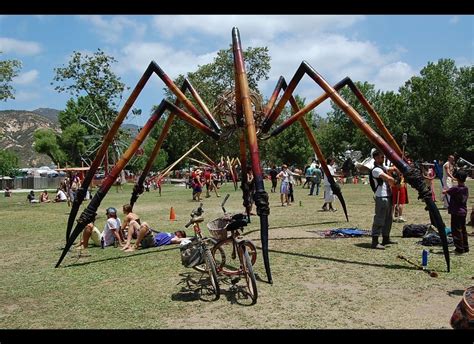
132	128
16	135
52	114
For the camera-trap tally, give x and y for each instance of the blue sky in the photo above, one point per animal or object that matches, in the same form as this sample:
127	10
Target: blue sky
385	50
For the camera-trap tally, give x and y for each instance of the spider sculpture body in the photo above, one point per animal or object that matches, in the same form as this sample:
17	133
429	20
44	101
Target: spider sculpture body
240	111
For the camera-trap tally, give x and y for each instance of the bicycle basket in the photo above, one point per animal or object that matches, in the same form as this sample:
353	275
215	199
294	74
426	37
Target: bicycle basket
217	228
191	254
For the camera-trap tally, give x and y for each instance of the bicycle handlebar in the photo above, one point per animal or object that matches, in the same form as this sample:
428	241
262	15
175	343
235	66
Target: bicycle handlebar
195	213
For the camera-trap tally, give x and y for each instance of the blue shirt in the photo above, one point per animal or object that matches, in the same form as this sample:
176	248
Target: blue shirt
163	238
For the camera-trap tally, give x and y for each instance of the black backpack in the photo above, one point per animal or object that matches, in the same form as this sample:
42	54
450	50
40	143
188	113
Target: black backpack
372	180
414	231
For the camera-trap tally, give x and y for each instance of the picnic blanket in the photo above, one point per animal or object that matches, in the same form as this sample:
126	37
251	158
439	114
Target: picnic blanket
346	233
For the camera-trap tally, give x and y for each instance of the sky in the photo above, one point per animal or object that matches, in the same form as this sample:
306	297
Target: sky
384	50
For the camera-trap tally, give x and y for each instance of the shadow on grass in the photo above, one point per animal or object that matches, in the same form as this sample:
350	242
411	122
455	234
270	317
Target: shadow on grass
291	226
124	256
455	292
197	287
387	266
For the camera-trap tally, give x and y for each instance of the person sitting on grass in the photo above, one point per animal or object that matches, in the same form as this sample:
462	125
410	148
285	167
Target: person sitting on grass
110	234
31	197
8	192
131	223
44	197
148	237
60	196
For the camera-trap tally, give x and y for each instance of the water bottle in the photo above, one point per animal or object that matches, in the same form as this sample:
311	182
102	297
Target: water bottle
301	204
424	259
102	242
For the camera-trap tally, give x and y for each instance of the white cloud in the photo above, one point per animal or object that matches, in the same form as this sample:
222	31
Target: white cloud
9	45
260	26
390	77
137	56
23	96
113	29
319	40
26	78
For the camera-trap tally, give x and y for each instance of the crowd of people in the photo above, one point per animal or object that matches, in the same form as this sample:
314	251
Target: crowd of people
390	196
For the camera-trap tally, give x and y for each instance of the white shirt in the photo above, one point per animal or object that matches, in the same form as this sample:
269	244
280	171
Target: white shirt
384	189
108	234
61	195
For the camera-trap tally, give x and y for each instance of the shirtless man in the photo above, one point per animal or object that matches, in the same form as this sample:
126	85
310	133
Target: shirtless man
131	223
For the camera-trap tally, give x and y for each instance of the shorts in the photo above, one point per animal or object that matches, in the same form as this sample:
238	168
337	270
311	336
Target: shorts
403	198
148	240
95	236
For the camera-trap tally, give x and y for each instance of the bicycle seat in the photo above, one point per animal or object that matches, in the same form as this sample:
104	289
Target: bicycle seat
236	224
238	217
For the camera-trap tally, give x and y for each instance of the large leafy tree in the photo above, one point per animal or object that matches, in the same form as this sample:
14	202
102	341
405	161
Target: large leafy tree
46	142
210	81
439	110
339	131
8	163
98	90
433	108
291	146
8	70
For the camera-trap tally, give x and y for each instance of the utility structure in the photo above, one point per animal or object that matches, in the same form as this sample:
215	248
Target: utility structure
245	125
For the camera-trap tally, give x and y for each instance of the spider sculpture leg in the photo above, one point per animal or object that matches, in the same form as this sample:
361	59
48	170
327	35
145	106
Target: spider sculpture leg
244	109
392	152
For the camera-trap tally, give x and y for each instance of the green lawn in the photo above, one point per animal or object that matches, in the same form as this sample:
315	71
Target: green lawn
318	282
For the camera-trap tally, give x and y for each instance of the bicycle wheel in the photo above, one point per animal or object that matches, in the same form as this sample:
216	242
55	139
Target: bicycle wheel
202	267
219	256
225	260
211	269
247	270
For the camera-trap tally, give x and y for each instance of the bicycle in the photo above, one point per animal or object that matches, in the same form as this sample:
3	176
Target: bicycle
231	247
197	253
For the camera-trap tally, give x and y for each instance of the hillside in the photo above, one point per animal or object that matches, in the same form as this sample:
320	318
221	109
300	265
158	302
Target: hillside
16	134
51	114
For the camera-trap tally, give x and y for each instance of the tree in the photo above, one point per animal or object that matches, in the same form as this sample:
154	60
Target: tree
291	146
72	141
439	110
137	164
8	163
210	81
8	70
90	78
339	131
46	142
93	76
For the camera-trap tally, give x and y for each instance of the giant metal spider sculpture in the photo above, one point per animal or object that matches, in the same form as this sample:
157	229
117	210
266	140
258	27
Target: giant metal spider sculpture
242	120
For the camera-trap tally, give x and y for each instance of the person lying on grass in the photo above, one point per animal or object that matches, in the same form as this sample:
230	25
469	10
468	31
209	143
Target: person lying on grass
148	237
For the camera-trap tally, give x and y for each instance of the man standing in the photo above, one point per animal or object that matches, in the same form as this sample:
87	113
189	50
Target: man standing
448	170
383	201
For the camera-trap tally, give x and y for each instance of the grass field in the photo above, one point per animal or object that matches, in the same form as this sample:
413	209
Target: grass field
319	283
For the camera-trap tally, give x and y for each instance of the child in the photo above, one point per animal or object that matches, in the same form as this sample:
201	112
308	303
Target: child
458	210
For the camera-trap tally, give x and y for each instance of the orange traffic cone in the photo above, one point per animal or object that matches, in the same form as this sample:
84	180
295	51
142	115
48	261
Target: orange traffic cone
172	215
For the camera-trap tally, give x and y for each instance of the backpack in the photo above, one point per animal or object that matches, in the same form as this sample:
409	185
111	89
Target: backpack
414	231
372	180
